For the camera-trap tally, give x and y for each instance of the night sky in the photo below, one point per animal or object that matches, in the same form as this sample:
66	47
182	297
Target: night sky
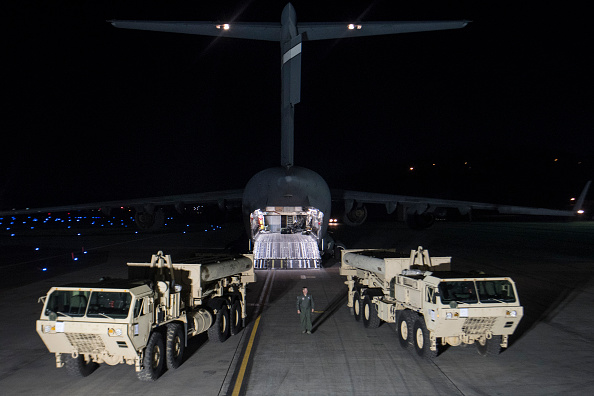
98	113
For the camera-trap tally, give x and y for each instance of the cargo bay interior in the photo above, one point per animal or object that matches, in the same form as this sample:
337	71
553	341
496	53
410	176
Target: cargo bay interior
286	237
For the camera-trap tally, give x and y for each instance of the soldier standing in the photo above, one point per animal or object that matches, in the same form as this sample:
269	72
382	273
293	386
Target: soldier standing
305	307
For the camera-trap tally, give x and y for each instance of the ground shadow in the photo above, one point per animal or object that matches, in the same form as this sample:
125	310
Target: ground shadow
337	302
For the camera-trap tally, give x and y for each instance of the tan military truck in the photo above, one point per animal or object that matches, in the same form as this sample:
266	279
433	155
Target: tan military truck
146	320
431	305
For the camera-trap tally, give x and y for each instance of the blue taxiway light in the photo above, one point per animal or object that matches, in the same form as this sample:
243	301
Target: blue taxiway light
44	269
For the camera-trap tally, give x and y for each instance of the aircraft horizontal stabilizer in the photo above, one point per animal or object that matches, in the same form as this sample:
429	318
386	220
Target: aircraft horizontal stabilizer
272	31
332	30
254	31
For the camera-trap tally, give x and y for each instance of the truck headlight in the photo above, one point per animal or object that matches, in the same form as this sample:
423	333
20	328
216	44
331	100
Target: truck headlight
47	328
114	332
449	315
513	314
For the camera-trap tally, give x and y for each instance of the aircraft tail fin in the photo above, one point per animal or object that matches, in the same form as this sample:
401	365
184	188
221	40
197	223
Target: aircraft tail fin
290	34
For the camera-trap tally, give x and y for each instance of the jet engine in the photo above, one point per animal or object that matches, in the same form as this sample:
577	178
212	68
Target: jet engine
356	216
150	221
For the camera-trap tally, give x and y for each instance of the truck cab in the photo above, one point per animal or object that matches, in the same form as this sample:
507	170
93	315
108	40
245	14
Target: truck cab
88	321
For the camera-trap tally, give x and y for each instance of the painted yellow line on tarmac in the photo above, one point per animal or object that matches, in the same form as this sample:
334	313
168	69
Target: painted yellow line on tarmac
245	360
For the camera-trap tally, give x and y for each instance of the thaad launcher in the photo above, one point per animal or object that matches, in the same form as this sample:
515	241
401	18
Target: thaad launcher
431	305
145	321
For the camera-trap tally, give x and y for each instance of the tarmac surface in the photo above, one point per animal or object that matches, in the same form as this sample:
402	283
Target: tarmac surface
551	353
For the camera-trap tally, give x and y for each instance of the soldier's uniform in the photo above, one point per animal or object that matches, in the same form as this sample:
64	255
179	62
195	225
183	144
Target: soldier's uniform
305	304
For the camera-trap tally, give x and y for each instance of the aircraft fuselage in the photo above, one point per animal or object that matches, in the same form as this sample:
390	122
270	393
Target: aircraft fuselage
287	208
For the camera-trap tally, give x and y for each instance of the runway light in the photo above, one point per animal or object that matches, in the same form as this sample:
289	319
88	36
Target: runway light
44	269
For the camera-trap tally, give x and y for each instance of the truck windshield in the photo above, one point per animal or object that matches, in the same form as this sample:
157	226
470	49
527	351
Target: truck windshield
459	291
77	303
495	291
114	305
489	291
71	303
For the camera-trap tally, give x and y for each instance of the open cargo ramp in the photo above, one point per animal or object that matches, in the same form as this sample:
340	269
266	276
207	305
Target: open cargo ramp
286	251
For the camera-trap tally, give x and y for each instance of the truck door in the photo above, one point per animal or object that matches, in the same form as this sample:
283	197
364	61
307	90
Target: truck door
142	322
430	302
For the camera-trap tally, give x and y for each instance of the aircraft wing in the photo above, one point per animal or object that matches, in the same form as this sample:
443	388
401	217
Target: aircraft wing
141	204
423	206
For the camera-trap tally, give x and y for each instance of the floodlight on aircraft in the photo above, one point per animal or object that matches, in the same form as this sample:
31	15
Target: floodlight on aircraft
352	26
224	26
581	211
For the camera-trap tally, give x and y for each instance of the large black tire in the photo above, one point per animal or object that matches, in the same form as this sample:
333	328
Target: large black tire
422	341
219	331
78	367
405	330
154	358
369	313
491	347
235	318
357	306
174	345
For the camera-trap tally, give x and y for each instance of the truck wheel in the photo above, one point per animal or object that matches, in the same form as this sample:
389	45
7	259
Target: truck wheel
422	341
357	306
154	358
78	367
174	346
219	331
405	330
370	318
490	347
235	317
